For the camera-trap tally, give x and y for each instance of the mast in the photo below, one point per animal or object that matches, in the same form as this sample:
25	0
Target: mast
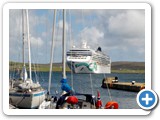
29	51
64	85
64	46
23	74
23	48
52	51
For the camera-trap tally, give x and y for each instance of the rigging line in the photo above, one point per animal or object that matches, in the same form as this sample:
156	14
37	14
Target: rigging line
91	83
23	47
16	65
36	76
81	41
34	60
71	48
82	15
18	55
18	102
37	66
108	89
57	33
46	39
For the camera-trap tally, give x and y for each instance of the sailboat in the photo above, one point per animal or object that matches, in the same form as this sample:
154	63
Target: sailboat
69	99
76	100
25	93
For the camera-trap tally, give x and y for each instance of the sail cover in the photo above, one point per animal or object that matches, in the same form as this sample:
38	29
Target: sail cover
65	86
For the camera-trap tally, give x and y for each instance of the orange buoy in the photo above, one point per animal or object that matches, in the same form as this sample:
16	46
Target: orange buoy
111	105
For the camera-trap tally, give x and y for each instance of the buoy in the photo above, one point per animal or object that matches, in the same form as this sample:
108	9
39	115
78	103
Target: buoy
133	82
99	102
113	81
72	100
111	105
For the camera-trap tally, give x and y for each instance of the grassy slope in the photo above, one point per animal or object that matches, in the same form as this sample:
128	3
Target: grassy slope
128	67
117	67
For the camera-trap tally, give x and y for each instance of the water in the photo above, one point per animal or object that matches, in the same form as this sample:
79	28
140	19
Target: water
90	83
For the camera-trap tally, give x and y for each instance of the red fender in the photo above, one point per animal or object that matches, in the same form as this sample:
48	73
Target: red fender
111	105
99	104
99	101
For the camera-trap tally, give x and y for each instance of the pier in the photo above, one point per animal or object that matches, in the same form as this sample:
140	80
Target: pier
113	83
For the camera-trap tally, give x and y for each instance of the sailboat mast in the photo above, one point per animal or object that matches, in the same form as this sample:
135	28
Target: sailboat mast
23	48
64	46
52	50
24	73
29	51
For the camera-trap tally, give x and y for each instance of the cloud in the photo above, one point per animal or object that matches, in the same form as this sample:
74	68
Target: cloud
124	33
128	24
116	31
119	32
60	24
36	41
92	35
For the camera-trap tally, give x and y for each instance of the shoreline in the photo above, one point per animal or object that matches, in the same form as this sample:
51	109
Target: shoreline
112	71
117	67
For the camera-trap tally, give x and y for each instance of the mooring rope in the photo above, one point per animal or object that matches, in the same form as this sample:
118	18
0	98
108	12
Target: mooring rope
110	97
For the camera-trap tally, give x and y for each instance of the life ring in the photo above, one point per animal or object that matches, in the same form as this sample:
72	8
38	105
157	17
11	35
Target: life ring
111	105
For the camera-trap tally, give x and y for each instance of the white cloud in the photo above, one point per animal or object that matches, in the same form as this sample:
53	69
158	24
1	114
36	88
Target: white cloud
121	31
60	24
124	32
128	24
36	41
91	35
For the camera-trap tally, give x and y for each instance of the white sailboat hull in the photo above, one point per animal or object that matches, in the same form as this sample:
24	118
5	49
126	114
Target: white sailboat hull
27	100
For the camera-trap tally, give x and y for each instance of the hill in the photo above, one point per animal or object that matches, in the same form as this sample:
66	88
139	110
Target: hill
117	67
128	65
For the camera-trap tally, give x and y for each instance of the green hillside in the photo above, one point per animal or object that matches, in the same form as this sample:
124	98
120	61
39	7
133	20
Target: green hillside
128	67
117	67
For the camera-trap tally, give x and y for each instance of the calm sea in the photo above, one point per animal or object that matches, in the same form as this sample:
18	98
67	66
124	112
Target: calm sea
90	83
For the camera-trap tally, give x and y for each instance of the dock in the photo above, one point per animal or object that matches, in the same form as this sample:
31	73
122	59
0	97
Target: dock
113	83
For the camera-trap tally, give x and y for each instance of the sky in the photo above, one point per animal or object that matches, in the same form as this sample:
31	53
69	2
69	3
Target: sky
119	32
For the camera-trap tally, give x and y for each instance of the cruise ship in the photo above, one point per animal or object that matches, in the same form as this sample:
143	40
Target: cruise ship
86	60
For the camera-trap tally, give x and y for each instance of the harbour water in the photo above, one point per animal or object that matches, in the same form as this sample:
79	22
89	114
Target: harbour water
90	83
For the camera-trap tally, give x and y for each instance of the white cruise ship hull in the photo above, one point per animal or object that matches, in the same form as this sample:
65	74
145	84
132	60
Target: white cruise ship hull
27	100
86	67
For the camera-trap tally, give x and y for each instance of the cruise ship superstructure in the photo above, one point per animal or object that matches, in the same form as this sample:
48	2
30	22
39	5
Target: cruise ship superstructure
86	60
